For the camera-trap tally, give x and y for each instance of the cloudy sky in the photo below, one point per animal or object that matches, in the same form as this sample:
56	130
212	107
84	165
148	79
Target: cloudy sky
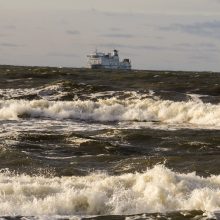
155	34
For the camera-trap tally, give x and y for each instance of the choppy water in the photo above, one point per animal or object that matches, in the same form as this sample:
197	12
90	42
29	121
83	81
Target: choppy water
82	144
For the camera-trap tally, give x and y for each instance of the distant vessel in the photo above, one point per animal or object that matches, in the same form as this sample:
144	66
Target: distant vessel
101	60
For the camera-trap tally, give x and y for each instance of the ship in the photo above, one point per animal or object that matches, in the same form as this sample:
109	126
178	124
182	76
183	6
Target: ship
100	60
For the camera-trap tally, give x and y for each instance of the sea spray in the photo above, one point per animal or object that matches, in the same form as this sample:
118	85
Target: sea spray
113	109
157	190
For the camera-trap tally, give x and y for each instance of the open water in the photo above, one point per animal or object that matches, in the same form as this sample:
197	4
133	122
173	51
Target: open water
83	144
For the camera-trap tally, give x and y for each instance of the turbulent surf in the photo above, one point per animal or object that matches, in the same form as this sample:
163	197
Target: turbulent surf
102	144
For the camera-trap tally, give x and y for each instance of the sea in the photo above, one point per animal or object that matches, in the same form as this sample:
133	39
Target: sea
112	145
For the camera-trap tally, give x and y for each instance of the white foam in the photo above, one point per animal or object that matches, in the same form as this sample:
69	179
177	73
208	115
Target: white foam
157	190
50	92
15	93
114	109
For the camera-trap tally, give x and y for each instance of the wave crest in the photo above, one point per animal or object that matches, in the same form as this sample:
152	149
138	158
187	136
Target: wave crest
157	190
113	109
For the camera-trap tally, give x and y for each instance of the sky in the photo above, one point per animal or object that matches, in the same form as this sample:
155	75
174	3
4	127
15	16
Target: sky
154	34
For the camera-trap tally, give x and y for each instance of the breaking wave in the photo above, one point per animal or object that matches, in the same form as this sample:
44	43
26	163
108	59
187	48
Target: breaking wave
114	109
157	190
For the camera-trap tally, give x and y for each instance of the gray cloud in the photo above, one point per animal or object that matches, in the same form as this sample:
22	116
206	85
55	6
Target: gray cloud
115	29
149	47
208	47
205	58
118	35
73	32
112	45
57	54
12	27
3	35
183	47
10	45
207	29
135	47
201	57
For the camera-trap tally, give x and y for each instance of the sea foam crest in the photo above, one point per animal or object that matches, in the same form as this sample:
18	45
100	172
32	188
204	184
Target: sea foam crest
156	190
114	109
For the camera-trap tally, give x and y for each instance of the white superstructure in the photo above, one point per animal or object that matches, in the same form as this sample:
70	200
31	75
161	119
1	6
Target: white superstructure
99	60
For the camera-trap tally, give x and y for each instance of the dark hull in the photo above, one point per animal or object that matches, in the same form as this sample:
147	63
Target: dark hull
98	66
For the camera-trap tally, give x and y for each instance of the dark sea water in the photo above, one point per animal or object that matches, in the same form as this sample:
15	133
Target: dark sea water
84	144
